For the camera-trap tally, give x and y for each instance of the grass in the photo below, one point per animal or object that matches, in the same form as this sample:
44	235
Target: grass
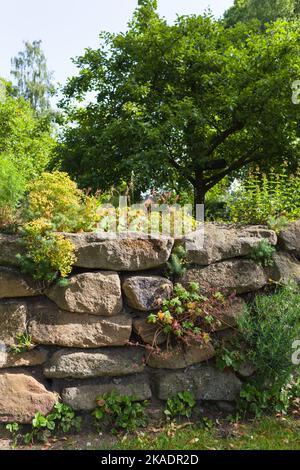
268	433
263	434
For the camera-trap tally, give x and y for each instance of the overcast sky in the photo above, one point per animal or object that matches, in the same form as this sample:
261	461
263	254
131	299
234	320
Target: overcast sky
66	27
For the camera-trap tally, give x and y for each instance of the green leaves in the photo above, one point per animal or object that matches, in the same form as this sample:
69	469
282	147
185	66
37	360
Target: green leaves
182	405
173	102
120	412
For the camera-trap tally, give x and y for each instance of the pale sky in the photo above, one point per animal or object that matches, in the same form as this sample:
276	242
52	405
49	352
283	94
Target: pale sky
66	27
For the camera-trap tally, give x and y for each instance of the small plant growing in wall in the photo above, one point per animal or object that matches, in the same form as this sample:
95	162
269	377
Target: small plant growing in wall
189	316
23	344
263	253
176	266
182	405
120	412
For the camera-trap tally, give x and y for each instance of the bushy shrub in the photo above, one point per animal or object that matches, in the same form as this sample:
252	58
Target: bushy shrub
57	199
265	197
266	333
48	255
12	187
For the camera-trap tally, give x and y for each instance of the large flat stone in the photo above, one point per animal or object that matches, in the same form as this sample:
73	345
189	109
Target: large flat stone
83	396
239	275
108	362
13	317
289	238
51	326
215	242
177	358
124	252
15	284
286	268
96	293
35	357
144	292
21	397
204	381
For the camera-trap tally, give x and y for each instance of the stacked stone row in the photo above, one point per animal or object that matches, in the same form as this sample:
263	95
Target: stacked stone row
81	331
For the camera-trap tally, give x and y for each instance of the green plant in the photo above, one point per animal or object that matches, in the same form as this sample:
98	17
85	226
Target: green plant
272	399
12	187
62	418
232	358
265	198
176	264
24	343
14	429
48	255
277	223
121	412
54	197
263	253
180	405
266	332
190	316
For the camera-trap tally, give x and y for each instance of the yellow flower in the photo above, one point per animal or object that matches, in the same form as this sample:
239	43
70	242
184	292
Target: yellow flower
161	315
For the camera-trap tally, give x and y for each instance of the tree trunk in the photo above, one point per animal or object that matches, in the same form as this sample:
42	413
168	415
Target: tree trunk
199	195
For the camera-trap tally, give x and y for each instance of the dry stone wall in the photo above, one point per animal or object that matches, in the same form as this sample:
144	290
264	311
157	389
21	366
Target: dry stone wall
83	333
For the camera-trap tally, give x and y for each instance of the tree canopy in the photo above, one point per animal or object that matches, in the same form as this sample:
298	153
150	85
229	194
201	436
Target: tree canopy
24	139
181	105
34	81
263	10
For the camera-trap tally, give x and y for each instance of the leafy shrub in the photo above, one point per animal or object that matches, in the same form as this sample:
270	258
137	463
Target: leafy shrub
57	199
262	197
47	255
180	405
61	419
266	333
12	187
188	315
120	412
263	253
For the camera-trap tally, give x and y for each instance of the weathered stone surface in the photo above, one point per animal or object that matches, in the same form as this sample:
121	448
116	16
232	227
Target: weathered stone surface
215	242
286	268
13	316
14	284
204	381
238	275
96	293
289	238
21	397
31	358
147	331
144	292
9	248
178	358
83	396
52	326
229	316
109	362
125	252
